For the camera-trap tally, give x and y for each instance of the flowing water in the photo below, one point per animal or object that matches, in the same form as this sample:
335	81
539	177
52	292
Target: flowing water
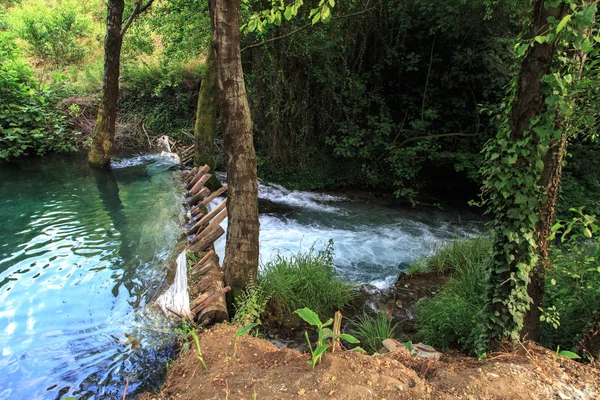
374	240
81	255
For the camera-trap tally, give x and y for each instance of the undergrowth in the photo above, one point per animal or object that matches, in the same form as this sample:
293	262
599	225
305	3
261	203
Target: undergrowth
305	280
451	318
373	330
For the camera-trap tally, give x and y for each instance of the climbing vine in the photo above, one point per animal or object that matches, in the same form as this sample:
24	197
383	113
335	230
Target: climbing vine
517	160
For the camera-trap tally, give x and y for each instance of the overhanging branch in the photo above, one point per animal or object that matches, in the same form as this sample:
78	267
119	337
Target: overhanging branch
137	10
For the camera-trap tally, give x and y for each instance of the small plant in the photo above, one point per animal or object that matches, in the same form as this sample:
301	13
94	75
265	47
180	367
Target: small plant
239	333
374	330
565	353
250	305
324	335
198	349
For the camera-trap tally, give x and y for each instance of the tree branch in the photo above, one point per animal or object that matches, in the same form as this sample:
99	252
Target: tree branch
304	27
137	10
436	136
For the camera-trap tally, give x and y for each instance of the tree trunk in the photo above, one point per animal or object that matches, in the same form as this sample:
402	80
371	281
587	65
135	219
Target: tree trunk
550	181
240	265
206	122
527	104
104	130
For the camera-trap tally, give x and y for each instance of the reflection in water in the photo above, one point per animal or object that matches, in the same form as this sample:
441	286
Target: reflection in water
81	253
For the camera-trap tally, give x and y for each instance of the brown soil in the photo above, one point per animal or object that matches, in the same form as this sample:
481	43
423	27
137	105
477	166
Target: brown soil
261	371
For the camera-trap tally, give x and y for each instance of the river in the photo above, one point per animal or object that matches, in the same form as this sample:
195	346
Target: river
83	253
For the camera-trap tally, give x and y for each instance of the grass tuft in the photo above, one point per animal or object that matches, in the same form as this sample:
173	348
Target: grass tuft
305	280
372	330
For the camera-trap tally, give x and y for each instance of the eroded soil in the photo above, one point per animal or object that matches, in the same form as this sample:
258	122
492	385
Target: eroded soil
261	371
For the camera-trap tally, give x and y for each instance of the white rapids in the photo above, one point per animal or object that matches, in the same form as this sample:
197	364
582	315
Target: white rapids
374	241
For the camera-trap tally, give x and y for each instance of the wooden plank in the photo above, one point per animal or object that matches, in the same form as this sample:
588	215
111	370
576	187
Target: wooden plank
206	238
213	196
206	219
200	183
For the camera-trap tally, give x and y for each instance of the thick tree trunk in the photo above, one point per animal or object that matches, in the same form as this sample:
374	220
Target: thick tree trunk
528	103
550	181
206	122
104	130
240	265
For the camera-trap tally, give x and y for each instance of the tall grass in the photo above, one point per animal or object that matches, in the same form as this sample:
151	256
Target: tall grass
305	280
452	318
373	330
448	256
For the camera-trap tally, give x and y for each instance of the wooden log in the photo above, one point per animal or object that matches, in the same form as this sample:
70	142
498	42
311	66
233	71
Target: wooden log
190	174
201	306
206	219
198	211
206	238
199	184
196	177
219	218
213	196
198	196
210	306
204	260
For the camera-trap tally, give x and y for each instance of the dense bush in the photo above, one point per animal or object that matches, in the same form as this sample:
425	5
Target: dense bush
305	280
53	32
31	121
572	295
451	319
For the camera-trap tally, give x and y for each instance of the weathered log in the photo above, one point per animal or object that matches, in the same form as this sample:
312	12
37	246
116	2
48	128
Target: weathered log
198	211
190	174
196	177
219	218
213	196
206	238
198	196
206	219
199	184
202	305
204	260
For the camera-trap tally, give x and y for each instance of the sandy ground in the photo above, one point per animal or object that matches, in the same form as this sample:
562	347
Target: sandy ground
261	371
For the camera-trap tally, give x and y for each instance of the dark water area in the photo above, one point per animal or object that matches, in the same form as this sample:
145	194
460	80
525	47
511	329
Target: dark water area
82	254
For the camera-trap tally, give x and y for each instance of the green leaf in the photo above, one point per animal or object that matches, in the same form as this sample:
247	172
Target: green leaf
349	338
325	14
561	25
332	3
316	18
569	354
309	316
587	232
320	350
288	13
242	331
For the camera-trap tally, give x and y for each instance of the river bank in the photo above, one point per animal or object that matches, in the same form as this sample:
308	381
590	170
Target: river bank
261	371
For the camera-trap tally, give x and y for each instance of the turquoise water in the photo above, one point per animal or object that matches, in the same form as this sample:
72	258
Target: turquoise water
82	254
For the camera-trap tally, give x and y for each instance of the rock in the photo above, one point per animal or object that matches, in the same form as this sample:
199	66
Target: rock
424	351
392	345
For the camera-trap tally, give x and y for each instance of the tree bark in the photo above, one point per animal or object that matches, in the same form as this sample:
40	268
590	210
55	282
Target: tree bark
550	181
240	265
205	127
528	103
104	130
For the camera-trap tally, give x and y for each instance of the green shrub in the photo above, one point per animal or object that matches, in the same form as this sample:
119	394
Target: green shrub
572	294
31	121
451	319
250	305
305	280
459	252
372	330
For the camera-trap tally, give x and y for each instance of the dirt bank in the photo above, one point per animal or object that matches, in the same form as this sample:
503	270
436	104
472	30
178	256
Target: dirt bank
261	371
